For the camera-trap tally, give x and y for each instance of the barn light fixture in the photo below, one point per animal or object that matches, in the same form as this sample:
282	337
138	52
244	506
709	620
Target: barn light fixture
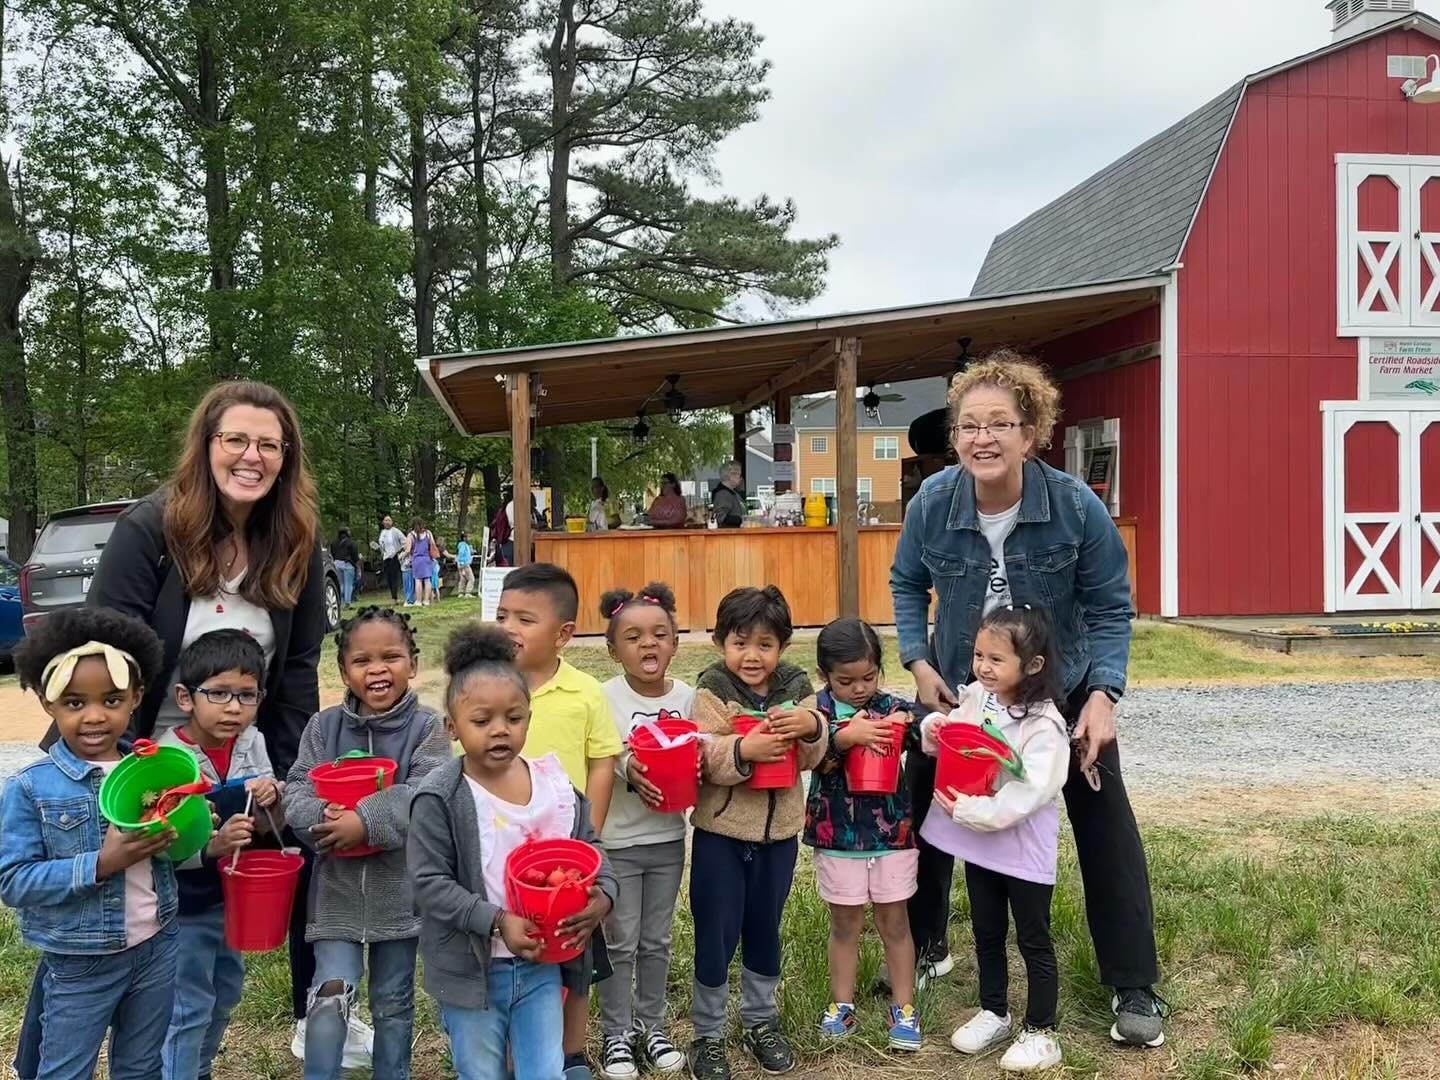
1426	93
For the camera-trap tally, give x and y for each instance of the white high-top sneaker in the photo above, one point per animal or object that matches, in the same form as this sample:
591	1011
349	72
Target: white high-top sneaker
981	1032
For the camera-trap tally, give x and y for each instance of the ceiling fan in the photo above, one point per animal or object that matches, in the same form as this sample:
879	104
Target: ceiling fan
639	431
672	398
963	360
872	400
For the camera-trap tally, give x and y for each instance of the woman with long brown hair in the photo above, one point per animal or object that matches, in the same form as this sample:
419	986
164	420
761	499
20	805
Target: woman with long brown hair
232	542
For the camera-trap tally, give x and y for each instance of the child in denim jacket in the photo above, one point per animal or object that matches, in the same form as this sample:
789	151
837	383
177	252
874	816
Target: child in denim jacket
93	899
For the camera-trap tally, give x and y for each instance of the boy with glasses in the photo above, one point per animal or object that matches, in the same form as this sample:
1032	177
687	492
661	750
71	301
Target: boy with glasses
218	688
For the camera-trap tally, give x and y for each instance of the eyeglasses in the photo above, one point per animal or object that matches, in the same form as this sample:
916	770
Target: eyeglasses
997	428
237	443
248	698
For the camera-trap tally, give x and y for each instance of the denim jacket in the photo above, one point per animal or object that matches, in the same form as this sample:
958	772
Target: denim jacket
1065	555
50	838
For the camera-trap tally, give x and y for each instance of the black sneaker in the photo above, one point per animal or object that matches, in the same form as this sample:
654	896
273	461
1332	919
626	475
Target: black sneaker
768	1047
1138	1015
707	1060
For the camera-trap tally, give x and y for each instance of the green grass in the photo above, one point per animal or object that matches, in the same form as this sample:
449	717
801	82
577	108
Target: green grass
1333	931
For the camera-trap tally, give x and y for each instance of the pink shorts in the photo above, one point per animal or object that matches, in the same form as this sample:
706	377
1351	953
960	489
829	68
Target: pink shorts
884	879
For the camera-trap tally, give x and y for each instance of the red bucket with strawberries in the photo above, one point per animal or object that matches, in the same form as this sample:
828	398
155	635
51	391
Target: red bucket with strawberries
766	775
347	780
548	881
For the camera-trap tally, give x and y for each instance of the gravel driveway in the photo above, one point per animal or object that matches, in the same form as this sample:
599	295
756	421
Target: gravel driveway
1282	733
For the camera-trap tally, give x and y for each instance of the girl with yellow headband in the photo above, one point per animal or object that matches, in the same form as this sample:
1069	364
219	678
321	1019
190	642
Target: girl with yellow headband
89	896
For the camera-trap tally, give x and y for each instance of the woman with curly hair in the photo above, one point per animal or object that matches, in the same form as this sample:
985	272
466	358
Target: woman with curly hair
1004	528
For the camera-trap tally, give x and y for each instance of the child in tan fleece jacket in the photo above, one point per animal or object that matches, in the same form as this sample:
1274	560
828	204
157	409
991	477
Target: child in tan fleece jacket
744	847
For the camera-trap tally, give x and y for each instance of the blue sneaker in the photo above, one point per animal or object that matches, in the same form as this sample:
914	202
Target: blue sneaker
904	1028
839	1020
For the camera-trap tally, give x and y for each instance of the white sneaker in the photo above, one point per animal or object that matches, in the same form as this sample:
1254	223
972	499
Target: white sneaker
359	1043
925	970
938	969
981	1032
1031	1051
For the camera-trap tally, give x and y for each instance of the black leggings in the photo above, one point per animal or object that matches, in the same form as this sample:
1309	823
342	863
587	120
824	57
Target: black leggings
391	567
990	894
1112	865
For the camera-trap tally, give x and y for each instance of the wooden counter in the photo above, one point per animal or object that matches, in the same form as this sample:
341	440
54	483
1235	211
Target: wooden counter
702	565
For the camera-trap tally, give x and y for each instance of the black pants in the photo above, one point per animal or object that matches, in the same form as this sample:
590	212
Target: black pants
738	891
302	953
1112	865
990	896
391	567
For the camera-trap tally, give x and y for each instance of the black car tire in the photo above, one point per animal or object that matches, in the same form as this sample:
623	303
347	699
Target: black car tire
332	604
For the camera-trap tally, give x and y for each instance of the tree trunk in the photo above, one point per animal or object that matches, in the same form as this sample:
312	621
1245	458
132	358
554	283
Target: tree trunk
220	241
463	518
18	251
490	478
480	262
426	455
561	57
80	444
379	374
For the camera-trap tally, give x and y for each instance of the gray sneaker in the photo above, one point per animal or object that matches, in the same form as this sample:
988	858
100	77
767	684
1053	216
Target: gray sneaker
1138	1014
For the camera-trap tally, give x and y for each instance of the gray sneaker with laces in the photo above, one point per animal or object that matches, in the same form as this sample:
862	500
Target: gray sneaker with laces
1139	1013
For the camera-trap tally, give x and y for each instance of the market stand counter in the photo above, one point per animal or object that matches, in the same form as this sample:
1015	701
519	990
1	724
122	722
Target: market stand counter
702	565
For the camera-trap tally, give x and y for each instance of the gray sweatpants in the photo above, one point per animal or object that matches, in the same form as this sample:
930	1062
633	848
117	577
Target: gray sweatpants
637	933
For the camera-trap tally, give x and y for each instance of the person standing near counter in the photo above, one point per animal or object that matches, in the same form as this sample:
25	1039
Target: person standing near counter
727	499
1002	527
668	511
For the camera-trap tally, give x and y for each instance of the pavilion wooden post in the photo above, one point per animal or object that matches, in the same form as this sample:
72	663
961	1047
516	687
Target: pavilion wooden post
847	495
780	408
740	422
517	391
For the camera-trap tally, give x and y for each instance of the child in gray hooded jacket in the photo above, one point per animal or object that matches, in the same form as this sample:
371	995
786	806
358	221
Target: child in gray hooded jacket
480	959
360	900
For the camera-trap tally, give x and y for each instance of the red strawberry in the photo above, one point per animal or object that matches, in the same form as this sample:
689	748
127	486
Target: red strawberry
556	878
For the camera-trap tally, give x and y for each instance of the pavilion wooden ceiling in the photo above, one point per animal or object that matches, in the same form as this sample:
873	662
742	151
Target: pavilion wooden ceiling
722	366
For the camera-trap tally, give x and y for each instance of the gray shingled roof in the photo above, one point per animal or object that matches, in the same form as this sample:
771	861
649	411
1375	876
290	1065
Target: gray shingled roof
1128	220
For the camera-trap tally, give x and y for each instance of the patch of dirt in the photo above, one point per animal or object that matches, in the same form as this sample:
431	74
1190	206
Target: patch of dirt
1231	807
1356	1051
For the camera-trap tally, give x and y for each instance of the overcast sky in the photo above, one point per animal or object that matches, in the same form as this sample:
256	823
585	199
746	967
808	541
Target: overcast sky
917	129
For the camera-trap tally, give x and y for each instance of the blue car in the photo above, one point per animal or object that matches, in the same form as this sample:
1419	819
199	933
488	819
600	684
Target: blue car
12	628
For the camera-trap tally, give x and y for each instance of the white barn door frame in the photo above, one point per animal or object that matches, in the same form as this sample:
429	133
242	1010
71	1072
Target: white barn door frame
1398	548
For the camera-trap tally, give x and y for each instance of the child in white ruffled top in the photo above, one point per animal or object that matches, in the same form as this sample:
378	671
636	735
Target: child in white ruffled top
1008	839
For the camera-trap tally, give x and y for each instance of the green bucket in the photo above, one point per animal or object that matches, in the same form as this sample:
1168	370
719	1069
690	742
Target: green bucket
157	769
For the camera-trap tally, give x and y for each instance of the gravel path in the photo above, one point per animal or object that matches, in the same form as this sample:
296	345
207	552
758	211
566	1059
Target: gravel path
1284	733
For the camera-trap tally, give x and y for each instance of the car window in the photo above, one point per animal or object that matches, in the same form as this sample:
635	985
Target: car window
8	574
75	535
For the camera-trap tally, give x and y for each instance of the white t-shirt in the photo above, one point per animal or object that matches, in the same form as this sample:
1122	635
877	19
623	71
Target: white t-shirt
599	517
504	825
630	822
142	907
391	541
226	611
997	527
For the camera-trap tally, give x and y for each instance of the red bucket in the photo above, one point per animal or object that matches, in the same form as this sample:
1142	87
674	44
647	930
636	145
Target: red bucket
346	781
547	905
765	775
672	769
959	767
259	894
875	770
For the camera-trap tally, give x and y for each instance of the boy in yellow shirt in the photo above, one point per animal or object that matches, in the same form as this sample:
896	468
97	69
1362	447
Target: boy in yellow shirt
570	718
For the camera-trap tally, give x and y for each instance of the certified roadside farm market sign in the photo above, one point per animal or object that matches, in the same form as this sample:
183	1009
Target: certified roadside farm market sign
1404	368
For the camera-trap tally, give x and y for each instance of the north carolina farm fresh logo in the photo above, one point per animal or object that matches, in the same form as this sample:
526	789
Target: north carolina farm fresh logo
1423	385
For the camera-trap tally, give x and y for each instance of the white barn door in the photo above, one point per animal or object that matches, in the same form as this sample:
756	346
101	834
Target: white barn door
1382	509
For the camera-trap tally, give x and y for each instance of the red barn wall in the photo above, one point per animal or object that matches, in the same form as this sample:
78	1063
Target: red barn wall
1258	349
1131	393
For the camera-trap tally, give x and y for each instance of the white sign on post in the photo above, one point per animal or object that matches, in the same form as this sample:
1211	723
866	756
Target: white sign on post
492	584
783	472
1403	368
782	433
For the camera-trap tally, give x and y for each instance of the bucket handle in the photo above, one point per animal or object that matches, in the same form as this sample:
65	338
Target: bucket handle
352	755
249	802
665	742
143	747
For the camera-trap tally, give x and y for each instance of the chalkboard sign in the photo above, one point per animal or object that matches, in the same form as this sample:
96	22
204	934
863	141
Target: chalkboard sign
1100	469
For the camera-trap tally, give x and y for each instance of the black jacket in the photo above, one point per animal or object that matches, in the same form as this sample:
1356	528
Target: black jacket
344	550
137	576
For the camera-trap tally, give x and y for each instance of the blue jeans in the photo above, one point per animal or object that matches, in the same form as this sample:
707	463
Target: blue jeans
392	1006
524	1010
409	583
130	992
347	581
209	979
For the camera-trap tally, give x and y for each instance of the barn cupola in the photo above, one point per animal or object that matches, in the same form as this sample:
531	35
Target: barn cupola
1356	16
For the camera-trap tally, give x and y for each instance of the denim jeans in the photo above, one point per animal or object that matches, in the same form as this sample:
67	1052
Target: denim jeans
130	992
209	979
392	1006
347	581
524	1011
409	582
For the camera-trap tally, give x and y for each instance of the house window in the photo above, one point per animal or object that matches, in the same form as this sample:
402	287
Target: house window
819	444
1092	454
887	447
865	487
1389	241
822	485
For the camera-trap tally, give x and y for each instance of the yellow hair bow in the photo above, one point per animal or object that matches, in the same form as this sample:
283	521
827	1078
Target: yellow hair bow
59	671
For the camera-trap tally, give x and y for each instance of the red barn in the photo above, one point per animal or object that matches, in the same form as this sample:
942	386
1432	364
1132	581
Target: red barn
1274	416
